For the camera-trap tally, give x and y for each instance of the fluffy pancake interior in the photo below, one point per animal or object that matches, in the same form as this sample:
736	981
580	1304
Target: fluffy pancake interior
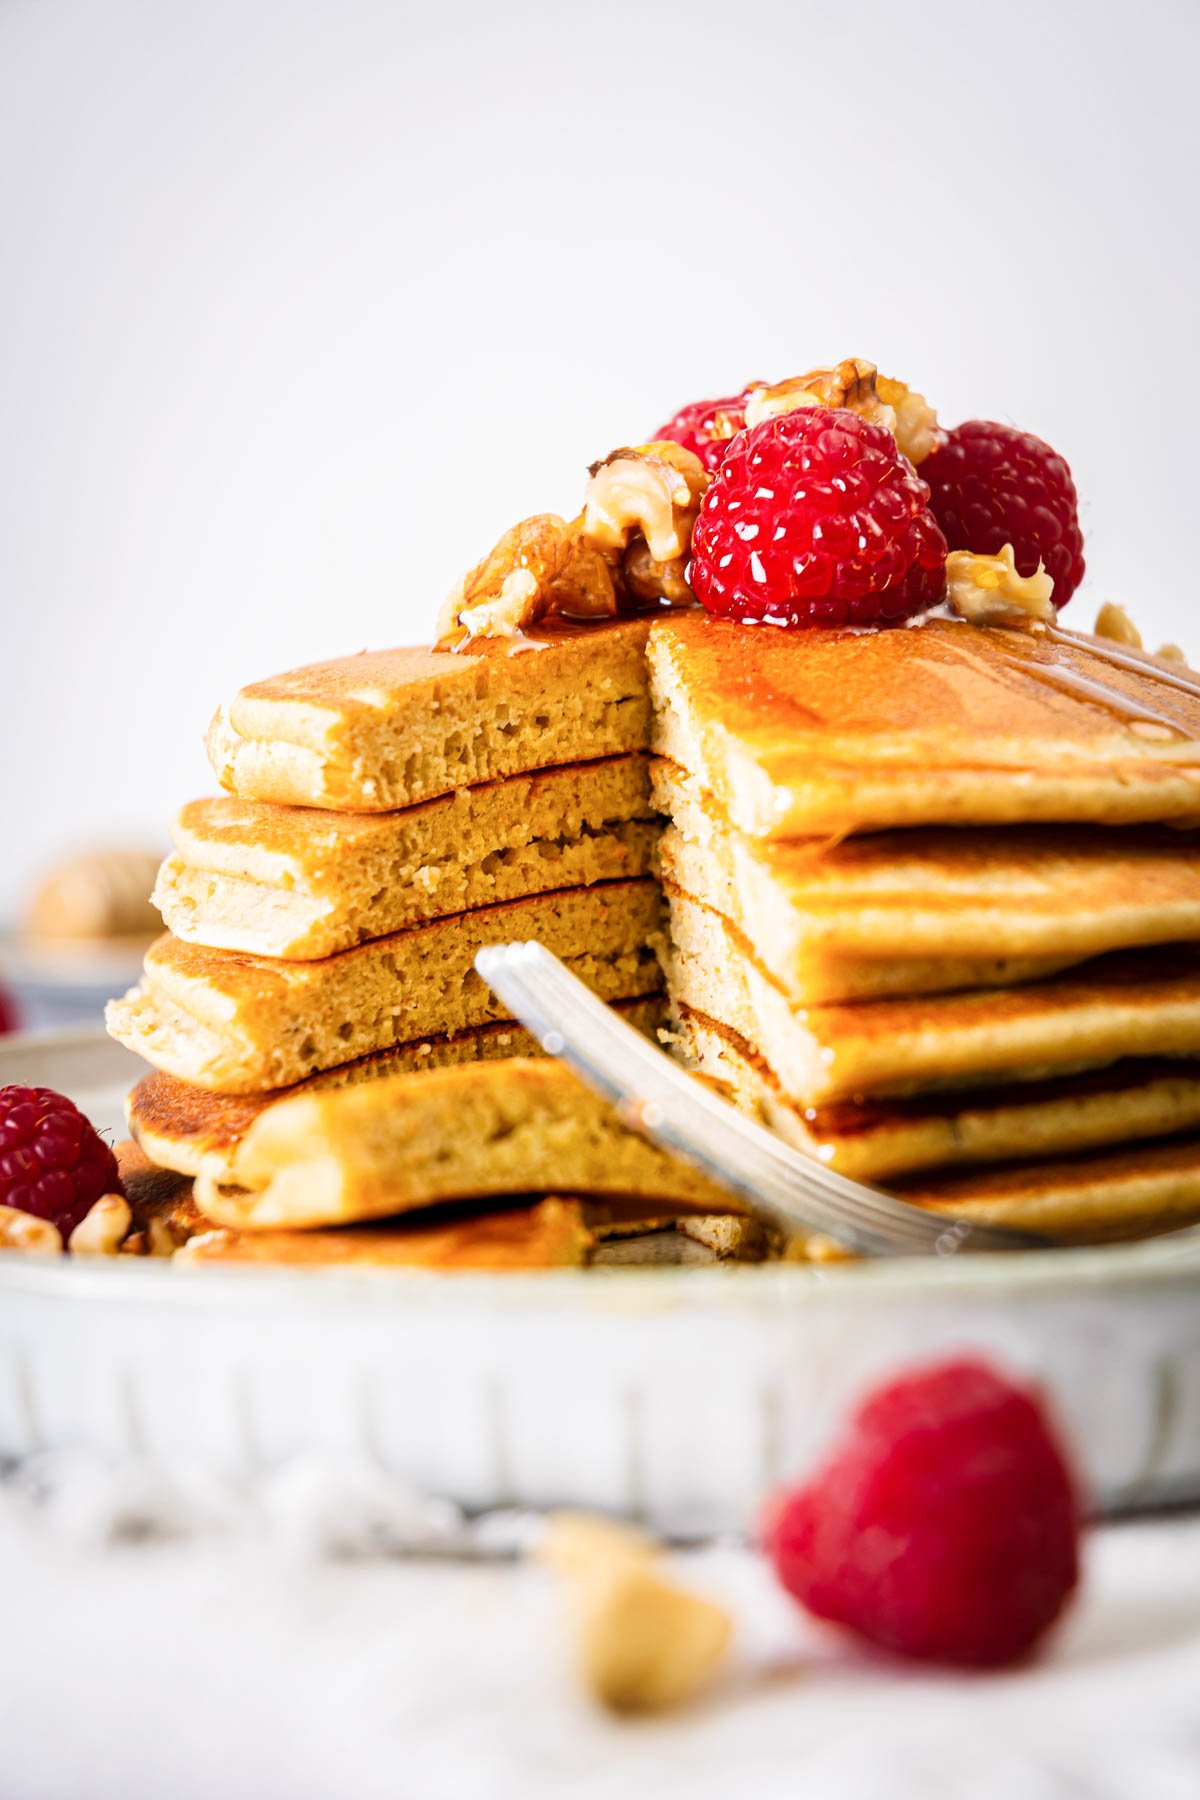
922	910
288	881
392	728
1136	1003
241	1024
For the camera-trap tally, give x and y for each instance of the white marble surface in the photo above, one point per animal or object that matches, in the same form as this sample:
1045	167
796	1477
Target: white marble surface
248	1659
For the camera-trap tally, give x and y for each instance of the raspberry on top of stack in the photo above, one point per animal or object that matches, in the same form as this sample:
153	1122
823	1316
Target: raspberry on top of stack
780	739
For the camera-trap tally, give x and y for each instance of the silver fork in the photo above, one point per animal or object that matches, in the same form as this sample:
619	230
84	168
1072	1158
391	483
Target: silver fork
654	1095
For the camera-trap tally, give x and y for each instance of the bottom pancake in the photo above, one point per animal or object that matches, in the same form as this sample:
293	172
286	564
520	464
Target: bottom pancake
872	1140
555	1233
179	1126
549	1235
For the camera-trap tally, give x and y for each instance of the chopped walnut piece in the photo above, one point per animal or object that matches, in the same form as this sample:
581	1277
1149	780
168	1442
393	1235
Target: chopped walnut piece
644	1643
850	384
27	1234
916	427
858	387
1114	623
543	565
987	590
102	1230
651	493
648	580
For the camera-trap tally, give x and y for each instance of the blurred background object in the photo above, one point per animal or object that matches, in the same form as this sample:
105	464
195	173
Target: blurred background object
80	938
96	897
310	299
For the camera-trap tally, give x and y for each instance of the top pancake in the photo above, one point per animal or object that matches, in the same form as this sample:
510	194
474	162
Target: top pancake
795	732
800	733
390	728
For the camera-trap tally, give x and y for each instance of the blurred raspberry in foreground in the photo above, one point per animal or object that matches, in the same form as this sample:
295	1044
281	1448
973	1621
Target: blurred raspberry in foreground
944	1524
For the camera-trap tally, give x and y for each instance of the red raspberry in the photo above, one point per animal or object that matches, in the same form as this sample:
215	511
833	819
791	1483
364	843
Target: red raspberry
945	1524
707	427
52	1162
991	485
815	518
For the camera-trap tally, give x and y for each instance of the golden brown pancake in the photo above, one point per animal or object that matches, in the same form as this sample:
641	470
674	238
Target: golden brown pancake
391	728
795	733
241	1024
180	1125
1088	1199
875	1140
1132	1004
548	1235
802	733
472	1131
289	881
552	1233
927	910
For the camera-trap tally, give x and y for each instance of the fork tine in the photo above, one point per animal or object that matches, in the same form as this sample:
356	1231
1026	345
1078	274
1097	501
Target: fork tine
657	1097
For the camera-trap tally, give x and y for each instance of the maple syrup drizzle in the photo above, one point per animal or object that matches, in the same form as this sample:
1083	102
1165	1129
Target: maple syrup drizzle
1122	658
1070	681
1084	687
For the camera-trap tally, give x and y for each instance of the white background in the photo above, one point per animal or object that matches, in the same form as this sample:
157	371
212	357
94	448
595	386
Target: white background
303	303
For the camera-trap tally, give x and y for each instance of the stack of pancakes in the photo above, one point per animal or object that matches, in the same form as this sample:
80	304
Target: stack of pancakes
927	898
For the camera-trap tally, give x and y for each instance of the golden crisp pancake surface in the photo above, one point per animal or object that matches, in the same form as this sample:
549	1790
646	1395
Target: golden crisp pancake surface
795	732
799	733
391	728
288	881
240	1024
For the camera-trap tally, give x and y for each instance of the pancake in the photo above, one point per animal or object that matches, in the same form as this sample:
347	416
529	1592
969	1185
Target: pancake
391	728
411	1141
800	733
553	1233
287	881
1133	1004
795	733
928	910
875	1140
1090	1199
240	1024
180	1125
549	1235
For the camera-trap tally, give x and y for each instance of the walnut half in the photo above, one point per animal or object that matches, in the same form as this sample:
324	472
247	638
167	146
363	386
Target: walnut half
987	590
543	565
632	540
102	1230
856	386
27	1234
